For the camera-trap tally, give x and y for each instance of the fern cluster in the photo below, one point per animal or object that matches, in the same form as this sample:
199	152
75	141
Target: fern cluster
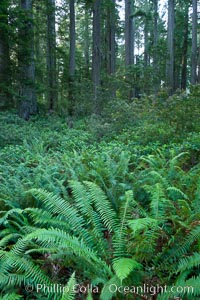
115	213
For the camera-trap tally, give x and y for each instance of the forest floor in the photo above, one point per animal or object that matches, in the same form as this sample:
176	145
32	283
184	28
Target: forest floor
46	154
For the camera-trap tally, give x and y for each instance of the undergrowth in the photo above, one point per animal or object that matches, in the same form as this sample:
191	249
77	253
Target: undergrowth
99	206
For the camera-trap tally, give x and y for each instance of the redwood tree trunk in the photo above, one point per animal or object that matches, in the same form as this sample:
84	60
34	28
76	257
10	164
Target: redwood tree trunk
72	51
170	47
111	37
198	62
96	57
155	47
129	33
4	55
86	40
185	51
28	104
194	43
129	42
146	40
51	55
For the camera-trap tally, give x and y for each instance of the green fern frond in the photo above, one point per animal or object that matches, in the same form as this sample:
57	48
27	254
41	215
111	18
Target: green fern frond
157	177
124	266
107	293
71	243
193	236
18	270
138	209
12	212
188	289
177	191
151	160
141	224
102	206
194	285
11	296
120	235
174	160
158	201
89	296
183	247
81	197
185	208
189	262
20	247
69	292
93	220
8	238
43	218
58	206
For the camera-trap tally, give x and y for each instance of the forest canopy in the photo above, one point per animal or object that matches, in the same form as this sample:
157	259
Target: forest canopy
74	57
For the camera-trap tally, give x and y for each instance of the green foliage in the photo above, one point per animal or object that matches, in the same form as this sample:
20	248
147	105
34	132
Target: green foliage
124	266
120	210
69	293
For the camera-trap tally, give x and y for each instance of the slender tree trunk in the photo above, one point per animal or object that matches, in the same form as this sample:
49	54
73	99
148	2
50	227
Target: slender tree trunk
146	43
110	43
170	47
194	43
86	41
146	54
51	55
111	38
129	33
185	50
28	105
155	47
96	57
129	41
198	62
72	52
4	55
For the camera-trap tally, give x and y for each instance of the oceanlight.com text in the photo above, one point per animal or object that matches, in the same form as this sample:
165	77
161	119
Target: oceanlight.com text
144	289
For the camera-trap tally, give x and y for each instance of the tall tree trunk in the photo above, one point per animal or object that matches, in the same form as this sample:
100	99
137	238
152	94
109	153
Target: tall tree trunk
146	41
155	47
185	50
170	47
198	62
146	55
194	43
51	54
111	37
110	43
86	41
129	33
4	55
72	57
96	57
129	41
28	105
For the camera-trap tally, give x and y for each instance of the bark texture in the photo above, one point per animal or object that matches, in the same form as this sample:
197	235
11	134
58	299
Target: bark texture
72	52
28	104
51	55
111	20
155	46
194	43
185	50
96	56
4	55
129	33
170	47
